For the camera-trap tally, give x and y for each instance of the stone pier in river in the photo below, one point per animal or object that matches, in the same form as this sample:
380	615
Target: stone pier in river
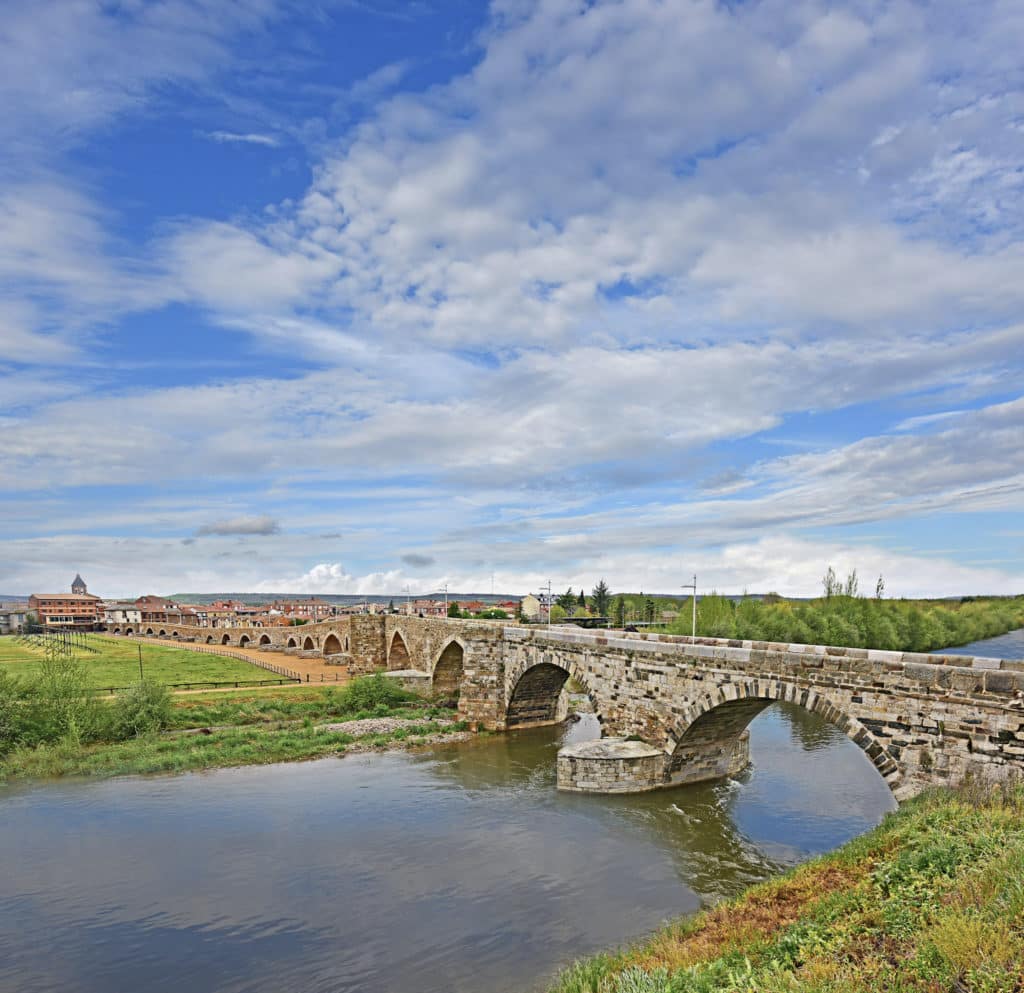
675	709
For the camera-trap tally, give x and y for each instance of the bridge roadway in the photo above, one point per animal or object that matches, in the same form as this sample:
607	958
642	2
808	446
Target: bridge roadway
673	709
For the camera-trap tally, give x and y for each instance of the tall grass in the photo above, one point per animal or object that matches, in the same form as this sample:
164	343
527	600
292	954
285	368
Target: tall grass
57	705
932	901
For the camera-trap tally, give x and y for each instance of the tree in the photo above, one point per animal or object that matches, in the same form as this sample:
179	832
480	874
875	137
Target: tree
582	601
851	584
649	609
830	584
391	607
557	613
453	609
567	601
879	588
620	611
601	599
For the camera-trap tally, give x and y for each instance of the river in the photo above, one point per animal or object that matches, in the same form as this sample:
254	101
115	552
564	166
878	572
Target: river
456	869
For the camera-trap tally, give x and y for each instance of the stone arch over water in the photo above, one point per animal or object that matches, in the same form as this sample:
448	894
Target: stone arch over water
535	692
713	728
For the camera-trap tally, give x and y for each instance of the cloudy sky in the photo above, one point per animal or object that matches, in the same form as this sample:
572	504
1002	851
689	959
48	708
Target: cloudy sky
369	294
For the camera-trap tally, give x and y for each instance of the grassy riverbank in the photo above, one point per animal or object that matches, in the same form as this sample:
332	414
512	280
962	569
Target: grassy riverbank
251	727
932	901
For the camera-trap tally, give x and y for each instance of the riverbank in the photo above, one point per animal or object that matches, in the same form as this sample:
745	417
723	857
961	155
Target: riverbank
932	900
252	727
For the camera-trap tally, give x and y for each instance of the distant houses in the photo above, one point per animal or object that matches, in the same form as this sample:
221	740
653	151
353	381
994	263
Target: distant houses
82	610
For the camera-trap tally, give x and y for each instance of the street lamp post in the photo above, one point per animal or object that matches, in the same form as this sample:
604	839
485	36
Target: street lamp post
407	590
445	599
549	603
693	586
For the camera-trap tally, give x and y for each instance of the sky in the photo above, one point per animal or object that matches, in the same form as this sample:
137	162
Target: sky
371	295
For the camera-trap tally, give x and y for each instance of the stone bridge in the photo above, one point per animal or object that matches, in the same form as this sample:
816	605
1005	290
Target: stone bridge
675	710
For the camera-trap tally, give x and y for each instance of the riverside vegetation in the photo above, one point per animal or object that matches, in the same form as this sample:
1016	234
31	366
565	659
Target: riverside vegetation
52	725
856	622
932	901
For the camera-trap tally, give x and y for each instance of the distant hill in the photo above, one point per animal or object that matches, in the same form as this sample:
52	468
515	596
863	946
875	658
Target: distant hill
344	599
5	598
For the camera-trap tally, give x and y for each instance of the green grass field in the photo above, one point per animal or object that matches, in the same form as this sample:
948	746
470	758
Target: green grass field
115	663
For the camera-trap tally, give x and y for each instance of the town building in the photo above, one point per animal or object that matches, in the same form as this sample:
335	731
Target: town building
13	618
79	610
159	610
121	614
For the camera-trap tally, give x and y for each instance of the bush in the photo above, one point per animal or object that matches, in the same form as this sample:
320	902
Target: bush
59	705
371	692
12	699
143	709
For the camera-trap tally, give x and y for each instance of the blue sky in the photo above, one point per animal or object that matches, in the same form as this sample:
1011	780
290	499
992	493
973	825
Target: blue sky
368	295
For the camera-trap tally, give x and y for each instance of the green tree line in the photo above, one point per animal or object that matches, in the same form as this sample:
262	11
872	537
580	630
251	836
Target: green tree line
855	622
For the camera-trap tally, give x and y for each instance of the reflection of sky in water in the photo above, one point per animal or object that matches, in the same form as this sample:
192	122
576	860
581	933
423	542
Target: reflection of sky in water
456	869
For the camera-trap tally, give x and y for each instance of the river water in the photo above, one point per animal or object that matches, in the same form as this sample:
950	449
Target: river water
460	868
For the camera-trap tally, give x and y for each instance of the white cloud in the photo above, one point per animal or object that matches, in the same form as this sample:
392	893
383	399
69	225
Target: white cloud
247	138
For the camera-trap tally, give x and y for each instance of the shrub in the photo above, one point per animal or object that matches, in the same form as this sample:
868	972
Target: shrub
371	692
59	705
143	709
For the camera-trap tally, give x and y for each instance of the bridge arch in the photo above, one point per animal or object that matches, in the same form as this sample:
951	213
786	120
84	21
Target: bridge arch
117	630
449	669
128	631
711	729
398	653
264	639
332	645
209	639
292	643
163	633
243	642
226	640
174	634
149	631
535	691
309	644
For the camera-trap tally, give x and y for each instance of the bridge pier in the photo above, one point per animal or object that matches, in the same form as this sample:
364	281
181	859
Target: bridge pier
624	765
611	765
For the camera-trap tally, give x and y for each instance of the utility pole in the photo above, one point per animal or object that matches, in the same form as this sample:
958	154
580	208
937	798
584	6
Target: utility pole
693	586
445	599
141	679
549	602
407	590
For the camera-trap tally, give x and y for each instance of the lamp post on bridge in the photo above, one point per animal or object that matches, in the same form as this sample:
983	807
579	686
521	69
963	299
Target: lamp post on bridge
407	590
693	586
549	602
